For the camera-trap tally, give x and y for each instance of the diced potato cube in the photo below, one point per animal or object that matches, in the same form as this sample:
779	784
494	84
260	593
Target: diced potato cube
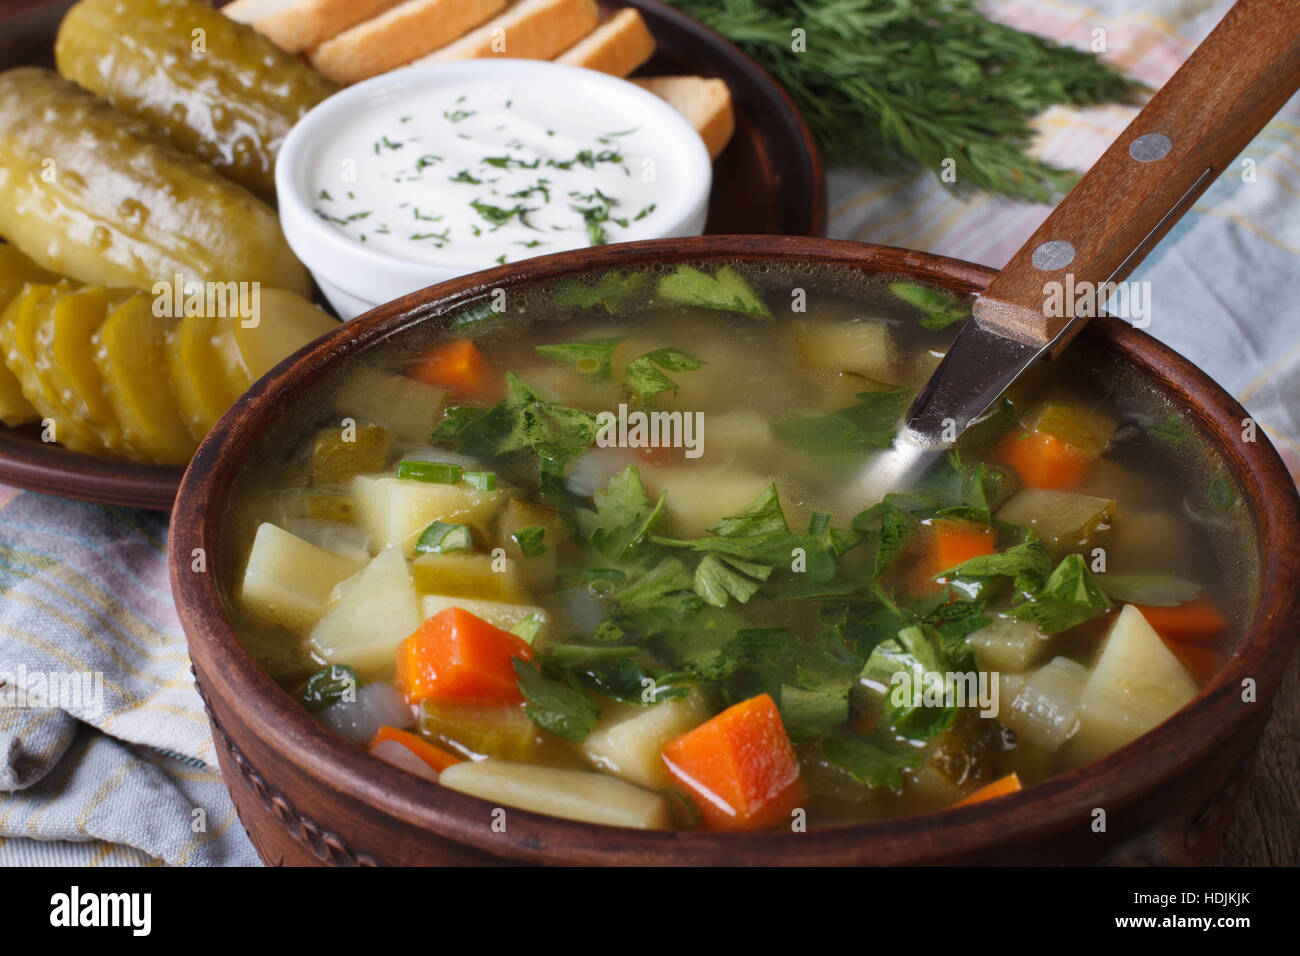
629	738
700	496
1009	685
370	614
863	347
1066	520
1009	644
1110	479
1137	684
395	511
462	574
571	794
564	386
631	348
345	539
929	788
740	433
347	451
288	581
499	613
408	408
518	513
710	385
478	730
1046	709
1143	540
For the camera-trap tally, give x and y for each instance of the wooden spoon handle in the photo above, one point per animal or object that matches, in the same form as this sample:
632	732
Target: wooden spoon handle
1187	135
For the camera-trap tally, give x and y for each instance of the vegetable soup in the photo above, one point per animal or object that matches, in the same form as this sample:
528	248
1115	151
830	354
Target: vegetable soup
586	549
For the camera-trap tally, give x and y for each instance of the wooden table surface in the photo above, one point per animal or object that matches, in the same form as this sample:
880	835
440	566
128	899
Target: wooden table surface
1266	830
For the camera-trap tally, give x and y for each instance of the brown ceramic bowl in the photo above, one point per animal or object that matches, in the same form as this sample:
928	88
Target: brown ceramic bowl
306	796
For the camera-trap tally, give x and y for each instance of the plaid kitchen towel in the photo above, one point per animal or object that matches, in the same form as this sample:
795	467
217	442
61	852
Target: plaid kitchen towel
114	765
103	742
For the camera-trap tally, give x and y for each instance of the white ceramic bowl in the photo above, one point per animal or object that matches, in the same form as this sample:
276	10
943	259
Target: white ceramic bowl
356	277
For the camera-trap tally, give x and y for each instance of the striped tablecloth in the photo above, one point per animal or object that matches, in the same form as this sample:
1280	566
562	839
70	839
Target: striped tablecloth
123	772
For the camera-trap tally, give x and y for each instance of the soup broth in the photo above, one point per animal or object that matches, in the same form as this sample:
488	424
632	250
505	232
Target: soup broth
588	549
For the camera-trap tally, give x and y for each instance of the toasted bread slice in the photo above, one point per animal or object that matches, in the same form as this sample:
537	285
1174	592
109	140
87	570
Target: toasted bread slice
297	25
617	46
705	102
530	30
398	36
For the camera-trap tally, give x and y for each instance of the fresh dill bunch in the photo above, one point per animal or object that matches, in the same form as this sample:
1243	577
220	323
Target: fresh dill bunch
888	83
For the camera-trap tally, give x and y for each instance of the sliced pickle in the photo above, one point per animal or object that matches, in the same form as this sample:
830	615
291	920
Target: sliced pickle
129	355
64	339
478	730
327	506
18	337
16	271
286	322
342	454
226	358
202	392
540	570
462	574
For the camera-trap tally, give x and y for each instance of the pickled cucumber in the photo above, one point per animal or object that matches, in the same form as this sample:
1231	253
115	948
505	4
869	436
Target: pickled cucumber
97	196
330	506
227	94
226	357
342	454
285	323
129	356
117	379
16	270
18	338
63	346
202	392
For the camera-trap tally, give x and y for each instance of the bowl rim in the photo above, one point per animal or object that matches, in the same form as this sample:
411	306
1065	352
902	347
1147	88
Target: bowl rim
321	246
1120	778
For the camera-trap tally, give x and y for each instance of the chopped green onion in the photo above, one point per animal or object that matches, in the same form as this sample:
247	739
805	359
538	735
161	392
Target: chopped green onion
437	472
530	540
440	538
329	685
482	480
528	628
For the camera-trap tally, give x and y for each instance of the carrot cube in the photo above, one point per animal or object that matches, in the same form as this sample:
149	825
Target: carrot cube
1195	622
460	368
739	767
946	544
1043	461
457	656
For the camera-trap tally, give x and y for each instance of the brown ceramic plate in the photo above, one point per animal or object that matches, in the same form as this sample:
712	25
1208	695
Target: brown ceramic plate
306	796
767	181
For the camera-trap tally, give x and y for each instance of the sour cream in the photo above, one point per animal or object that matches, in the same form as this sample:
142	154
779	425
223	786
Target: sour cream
488	172
428	173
